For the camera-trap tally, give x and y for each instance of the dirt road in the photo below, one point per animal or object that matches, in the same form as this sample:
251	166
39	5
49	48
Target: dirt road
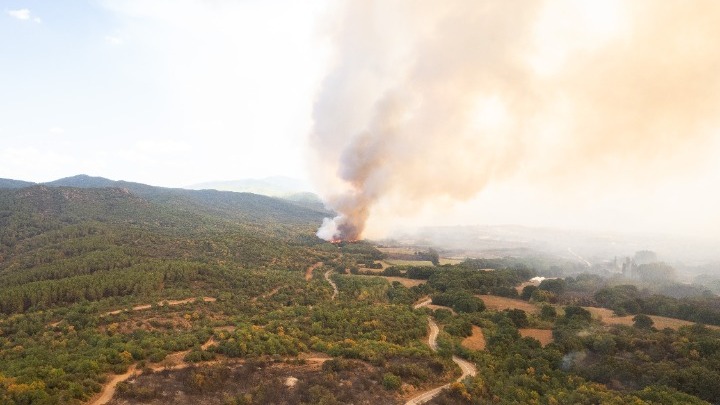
161	303
468	369
332	283
309	271
423	303
109	389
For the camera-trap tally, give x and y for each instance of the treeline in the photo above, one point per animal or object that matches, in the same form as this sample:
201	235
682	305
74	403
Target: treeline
627	299
497	282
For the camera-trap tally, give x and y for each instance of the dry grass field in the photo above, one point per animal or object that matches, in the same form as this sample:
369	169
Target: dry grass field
501	303
476	341
544	336
399	262
402	280
660	322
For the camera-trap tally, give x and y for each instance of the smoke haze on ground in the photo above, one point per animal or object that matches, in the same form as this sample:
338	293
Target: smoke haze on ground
576	114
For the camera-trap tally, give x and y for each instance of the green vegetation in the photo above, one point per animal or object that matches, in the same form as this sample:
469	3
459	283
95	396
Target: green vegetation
98	280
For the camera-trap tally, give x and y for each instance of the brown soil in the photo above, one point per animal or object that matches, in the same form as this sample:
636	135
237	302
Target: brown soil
544	336
160	304
309	271
476	341
502	303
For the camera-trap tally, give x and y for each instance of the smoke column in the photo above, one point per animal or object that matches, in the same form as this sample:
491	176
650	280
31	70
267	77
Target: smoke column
435	100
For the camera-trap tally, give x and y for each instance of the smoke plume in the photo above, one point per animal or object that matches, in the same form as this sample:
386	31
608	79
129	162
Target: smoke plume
435	100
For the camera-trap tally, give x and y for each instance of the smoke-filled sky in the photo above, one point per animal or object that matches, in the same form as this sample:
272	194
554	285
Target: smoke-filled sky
565	113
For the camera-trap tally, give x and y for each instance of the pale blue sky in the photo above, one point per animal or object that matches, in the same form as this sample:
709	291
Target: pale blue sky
165	92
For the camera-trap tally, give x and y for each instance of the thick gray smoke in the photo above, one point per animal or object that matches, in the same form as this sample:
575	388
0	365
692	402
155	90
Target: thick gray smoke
437	99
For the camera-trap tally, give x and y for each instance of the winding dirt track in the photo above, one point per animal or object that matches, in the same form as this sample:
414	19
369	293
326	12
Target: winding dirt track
160	304
332	283
468	369
309	271
109	389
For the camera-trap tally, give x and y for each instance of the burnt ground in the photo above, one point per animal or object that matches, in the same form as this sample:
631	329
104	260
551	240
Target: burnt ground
267	382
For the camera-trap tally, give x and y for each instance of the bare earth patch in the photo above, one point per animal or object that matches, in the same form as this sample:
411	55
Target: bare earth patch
160	304
501	303
476	341
309	271
544	336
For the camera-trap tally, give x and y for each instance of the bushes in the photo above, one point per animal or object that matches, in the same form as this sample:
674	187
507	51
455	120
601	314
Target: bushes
391	382
460	301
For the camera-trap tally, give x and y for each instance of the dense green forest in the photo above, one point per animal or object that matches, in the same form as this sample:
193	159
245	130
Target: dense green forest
99	278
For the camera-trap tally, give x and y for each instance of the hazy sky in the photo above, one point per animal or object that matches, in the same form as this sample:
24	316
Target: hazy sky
163	92
600	114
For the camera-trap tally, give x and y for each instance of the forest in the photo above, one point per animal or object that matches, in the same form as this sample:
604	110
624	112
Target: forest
222	297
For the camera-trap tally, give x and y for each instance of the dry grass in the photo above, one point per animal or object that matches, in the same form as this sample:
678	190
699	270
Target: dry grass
501	303
402	280
397	250
476	341
544	336
660	322
447	260
398	262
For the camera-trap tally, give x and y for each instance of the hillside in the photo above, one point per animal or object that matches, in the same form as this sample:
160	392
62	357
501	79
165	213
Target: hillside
133	294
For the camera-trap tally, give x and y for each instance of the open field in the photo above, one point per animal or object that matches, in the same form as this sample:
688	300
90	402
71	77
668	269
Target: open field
476	341
397	250
407	282
660	322
544	336
398	262
501	303
447	260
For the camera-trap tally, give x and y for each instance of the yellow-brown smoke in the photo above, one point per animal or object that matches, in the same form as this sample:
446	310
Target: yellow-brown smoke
437	99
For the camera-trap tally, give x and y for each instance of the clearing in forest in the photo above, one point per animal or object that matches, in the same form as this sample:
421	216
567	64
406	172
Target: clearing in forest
476	341
407	282
544	336
660	322
502	303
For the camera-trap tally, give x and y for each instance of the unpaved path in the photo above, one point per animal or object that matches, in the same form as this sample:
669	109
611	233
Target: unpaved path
434	332
160	304
174	361
309	271
468	369
427	302
423	303
109	389
267	294
332	283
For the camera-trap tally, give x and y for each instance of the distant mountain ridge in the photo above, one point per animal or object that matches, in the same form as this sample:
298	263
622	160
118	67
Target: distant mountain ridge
285	188
244	207
276	186
10	183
